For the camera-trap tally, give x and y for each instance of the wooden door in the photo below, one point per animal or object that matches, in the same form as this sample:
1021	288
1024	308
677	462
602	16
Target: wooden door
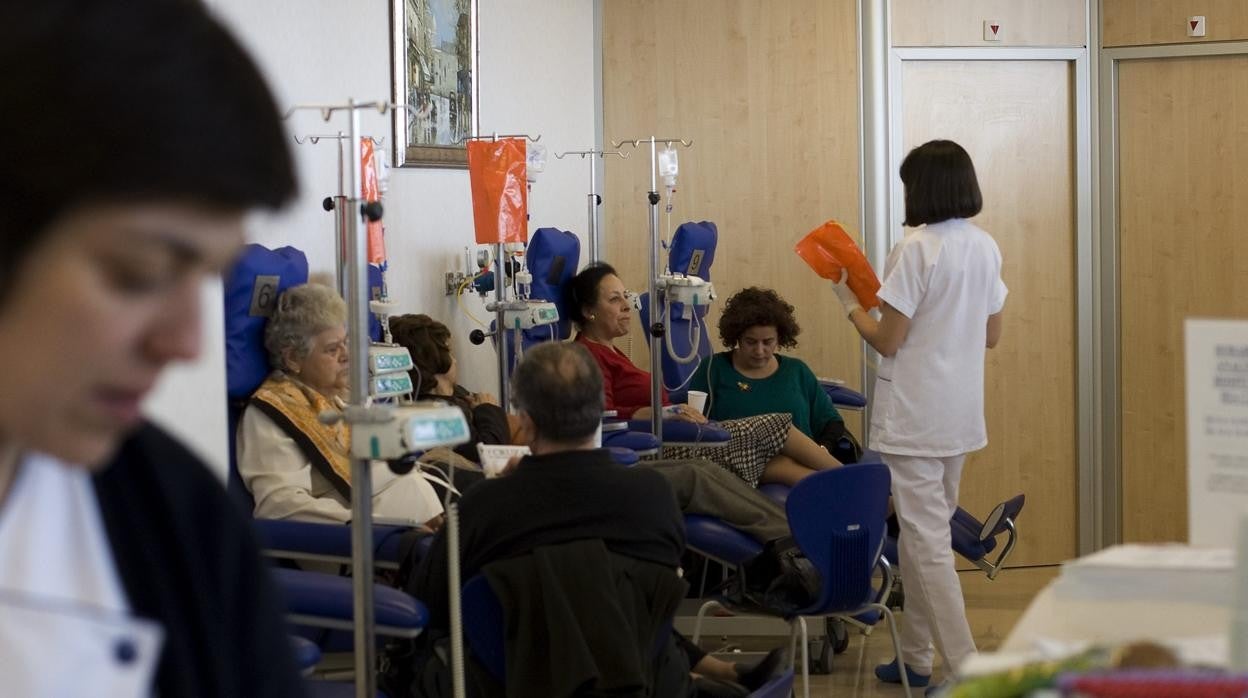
1017	121
1183	202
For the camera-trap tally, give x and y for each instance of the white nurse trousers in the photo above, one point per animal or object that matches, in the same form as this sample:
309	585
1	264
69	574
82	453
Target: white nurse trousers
925	495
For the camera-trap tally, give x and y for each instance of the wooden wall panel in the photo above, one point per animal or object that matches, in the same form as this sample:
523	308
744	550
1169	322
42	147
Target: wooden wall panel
1145	22
961	22
768	93
1183	186
1016	119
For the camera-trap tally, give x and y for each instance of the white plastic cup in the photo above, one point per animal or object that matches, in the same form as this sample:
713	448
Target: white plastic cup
697	400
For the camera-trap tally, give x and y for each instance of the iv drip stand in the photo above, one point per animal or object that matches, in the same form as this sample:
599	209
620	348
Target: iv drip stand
500	292
594	236
337	204
356	262
657	330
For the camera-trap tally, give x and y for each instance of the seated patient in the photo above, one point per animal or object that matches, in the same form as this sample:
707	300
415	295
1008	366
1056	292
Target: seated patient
295	466
764	448
701	486
436	377
752	379
568	490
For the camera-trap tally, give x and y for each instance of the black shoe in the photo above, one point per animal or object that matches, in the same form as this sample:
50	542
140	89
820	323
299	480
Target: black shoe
756	676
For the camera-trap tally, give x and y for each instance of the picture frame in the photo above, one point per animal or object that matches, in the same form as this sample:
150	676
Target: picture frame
434	74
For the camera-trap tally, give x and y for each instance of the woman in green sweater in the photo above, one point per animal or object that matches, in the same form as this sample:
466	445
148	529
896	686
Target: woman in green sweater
751	378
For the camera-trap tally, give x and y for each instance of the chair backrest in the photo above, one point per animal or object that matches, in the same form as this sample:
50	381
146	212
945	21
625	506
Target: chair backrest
251	289
552	257
483	626
838	520
691	252
692	249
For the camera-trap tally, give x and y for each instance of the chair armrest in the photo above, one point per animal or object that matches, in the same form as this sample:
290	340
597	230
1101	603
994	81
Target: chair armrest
841	396
307	655
303	540
719	541
678	431
996	523
327	601
624	456
638	442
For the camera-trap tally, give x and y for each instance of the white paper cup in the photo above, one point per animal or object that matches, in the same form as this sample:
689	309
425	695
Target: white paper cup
697	400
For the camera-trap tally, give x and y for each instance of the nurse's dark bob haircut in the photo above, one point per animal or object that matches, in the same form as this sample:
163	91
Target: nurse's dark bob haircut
940	184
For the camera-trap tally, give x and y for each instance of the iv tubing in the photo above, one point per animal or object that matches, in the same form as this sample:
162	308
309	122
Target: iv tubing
695	342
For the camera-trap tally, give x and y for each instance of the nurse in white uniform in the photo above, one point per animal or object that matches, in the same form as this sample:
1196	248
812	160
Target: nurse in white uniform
941	303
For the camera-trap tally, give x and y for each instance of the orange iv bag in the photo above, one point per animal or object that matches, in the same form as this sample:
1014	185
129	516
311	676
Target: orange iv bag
500	207
371	191
828	249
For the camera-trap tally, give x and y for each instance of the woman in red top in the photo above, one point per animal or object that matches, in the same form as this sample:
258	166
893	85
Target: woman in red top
763	449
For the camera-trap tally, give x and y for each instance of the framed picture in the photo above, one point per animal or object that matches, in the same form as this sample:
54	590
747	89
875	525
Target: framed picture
434	66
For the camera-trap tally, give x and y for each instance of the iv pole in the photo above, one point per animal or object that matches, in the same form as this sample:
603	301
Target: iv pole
595	200
338	202
657	330
356	263
500	291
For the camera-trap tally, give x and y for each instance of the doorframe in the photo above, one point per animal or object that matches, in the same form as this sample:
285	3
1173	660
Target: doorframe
1090	505
1110	305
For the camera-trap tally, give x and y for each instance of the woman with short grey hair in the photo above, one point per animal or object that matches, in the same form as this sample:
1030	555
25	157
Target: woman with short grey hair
301	313
295	466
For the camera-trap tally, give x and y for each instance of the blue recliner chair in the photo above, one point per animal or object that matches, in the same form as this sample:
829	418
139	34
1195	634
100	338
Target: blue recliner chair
838	521
691	252
313	599
551	256
251	288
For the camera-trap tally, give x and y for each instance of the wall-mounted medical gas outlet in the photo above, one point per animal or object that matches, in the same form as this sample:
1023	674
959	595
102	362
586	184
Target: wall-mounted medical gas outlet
992	30
1196	26
455	279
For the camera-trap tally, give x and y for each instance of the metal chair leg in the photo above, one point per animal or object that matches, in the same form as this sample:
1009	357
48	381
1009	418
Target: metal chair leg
793	645
892	631
801	623
697	624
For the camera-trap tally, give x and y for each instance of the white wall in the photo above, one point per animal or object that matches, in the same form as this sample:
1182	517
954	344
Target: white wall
536	76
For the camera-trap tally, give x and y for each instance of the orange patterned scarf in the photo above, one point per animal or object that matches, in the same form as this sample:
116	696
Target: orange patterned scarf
295	408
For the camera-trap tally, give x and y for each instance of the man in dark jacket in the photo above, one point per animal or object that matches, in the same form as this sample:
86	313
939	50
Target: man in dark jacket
567	490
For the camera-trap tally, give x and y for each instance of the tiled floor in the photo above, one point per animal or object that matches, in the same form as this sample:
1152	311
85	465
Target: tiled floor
992	608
